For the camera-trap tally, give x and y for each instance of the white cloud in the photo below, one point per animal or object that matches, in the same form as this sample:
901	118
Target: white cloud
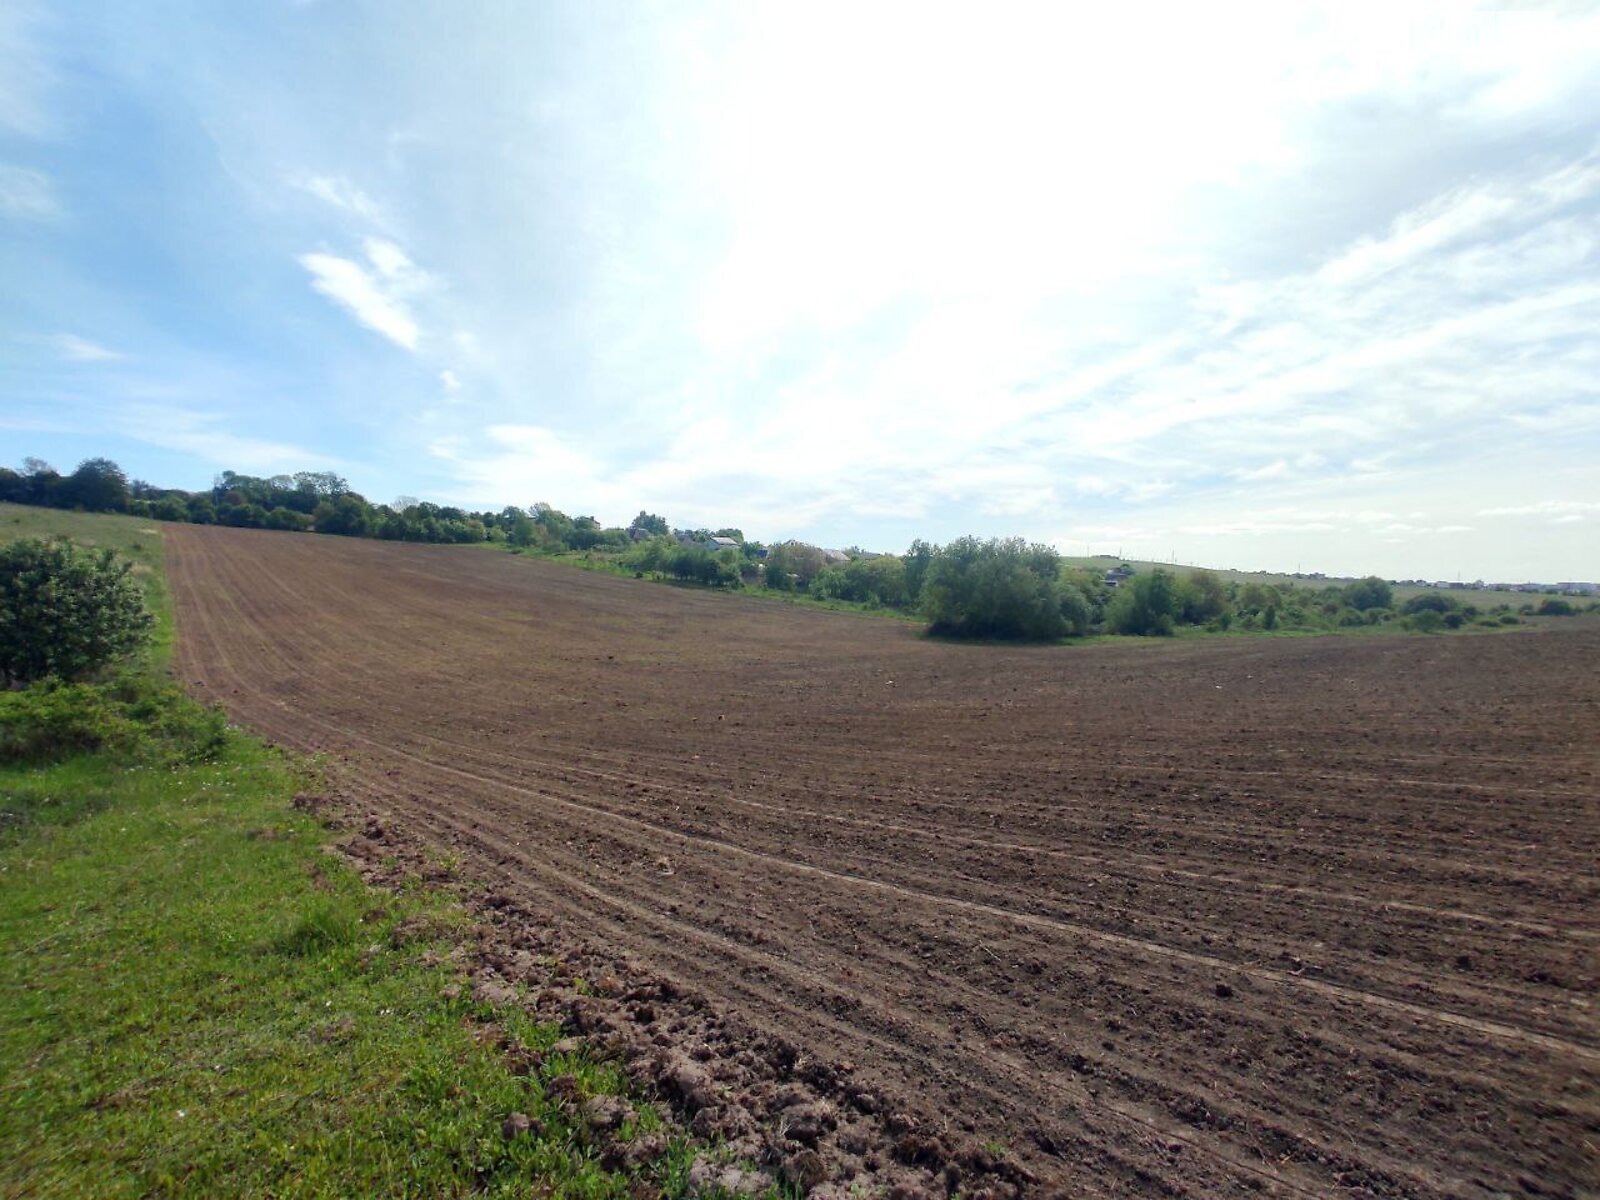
1273	470
523	464
376	297
1544	508
27	194
343	195
204	435
390	261
449	381
25	77
76	349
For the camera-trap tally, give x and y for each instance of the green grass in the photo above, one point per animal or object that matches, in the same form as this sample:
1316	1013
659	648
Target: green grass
133	537
200	1001
197	999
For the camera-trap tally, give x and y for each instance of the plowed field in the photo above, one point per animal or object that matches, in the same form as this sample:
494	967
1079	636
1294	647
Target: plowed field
1282	916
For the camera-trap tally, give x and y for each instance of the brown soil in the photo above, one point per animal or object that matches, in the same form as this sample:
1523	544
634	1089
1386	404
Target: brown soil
1292	916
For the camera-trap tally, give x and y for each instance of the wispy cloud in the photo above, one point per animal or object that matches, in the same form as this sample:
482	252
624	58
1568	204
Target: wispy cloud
26	194
527	463
341	194
76	349
204	435
25	76
376	295
1545	508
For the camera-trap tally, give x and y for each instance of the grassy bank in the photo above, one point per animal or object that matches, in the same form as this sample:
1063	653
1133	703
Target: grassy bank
200	1000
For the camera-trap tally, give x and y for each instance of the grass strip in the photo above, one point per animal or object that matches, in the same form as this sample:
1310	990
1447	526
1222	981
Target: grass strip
199	1000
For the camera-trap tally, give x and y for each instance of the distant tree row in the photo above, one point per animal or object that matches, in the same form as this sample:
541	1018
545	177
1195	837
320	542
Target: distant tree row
309	501
970	588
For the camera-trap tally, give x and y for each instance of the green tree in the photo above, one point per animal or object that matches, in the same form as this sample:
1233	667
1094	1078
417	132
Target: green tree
1202	598
519	527
347	514
98	485
792	566
66	611
1370	592
650	524
918	558
1145	605
880	580
997	588
653	555
585	533
44	482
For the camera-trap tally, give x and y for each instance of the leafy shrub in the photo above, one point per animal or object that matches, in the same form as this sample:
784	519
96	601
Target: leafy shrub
1555	607
1510	619
133	718
996	588
54	720
1147	605
1428	602
1454	620
1370	592
66	611
1426	621
878	581
1077	612
791	566
174	725
1203	598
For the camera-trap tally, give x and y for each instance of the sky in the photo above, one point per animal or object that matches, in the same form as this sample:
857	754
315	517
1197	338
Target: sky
1271	286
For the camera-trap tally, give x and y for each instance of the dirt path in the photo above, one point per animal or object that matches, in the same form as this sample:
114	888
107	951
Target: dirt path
1307	917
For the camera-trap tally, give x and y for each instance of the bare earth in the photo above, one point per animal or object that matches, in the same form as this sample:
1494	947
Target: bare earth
1282	917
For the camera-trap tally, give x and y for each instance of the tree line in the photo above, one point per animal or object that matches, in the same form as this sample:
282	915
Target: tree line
970	588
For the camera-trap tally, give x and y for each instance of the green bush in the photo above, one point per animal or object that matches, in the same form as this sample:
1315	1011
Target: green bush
134	718
1428	602
1202	598
1426	621
1371	592
1553	607
876	581
1147	605
996	589
54	720
1510	619
66	611
1077	612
